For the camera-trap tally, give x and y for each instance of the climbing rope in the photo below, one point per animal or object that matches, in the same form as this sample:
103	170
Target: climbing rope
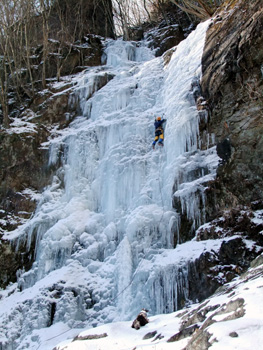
159	181
123	290
160	189
54	337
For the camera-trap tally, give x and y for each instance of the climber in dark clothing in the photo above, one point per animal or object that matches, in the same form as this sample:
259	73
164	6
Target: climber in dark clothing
158	124
141	319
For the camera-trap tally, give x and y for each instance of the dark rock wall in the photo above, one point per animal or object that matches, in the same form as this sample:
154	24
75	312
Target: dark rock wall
232	95
165	38
65	59
232	83
18	174
24	166
215	268
75	19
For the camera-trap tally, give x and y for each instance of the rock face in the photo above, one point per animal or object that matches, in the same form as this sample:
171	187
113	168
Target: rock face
229	103
23	160
166	23
78	18
232	83
214	269
165	38
65	59
24	172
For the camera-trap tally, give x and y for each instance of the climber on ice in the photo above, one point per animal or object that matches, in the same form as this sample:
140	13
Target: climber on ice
159	134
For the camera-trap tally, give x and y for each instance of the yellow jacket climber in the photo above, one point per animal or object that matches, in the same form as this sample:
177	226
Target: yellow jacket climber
159	135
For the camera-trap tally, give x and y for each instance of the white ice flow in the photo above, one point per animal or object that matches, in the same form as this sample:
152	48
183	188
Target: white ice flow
106	228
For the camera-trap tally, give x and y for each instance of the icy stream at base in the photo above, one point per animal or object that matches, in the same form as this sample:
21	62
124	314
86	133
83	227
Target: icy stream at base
105	228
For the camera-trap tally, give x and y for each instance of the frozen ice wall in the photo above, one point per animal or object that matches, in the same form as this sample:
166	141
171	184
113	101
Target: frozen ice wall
107	219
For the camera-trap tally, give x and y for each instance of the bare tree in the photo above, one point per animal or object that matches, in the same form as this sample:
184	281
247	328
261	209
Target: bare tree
200	8
121	13
4	90
10	52
45	9
15	46
157	8
28	29
129	14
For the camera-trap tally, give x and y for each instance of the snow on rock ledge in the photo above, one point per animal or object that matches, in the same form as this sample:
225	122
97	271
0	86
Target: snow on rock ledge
231	319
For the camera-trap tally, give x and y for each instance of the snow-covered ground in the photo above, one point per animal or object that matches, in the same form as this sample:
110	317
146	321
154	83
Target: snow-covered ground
232	319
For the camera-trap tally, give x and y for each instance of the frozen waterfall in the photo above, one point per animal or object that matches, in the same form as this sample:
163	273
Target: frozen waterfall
105	229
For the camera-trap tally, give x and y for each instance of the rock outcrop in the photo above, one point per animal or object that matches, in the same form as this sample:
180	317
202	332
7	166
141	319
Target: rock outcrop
213	269
229	103
232	83
165	38
74	19
24	172
65	58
